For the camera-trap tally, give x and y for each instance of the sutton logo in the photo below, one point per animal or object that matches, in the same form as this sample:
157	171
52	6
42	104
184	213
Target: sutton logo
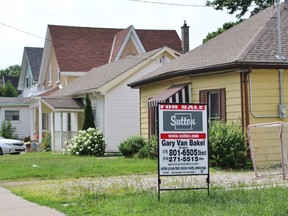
182	121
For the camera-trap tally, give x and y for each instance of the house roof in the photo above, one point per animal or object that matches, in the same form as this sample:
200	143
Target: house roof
100	76
63	103
12	101
82	48
34	57
251	43
13	80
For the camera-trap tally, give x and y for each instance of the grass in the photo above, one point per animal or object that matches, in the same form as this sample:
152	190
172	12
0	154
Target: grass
55	166
83	186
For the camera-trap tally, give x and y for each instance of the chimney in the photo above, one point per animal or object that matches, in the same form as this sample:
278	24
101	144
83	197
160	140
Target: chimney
185	37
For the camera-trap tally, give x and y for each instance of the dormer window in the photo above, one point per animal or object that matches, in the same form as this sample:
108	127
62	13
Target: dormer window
50	75
27	82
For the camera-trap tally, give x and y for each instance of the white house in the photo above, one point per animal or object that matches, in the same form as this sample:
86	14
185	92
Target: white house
116	106
18	113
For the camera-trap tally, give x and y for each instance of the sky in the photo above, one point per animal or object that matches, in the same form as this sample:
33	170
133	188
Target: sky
24	23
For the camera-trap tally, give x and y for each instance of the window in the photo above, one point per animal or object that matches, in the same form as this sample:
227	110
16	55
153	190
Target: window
27	83
50	75
216	101
45	121
179	93
69	124
12	115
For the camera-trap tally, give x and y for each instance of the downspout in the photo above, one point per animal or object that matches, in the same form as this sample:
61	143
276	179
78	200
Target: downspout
247	119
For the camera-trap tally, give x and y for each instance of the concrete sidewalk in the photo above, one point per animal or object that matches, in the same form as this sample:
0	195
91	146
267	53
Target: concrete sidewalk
12	205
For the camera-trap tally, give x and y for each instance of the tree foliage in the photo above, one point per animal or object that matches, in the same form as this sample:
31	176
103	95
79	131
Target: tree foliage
7	130
241	6
8	90
225	27
13	70
88	115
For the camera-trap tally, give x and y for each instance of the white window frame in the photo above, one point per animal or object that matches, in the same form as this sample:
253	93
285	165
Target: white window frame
12	114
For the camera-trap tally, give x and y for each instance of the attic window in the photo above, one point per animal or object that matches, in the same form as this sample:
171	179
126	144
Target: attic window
163	60
27	83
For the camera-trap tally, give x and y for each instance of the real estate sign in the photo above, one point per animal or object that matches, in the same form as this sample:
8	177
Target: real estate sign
183	141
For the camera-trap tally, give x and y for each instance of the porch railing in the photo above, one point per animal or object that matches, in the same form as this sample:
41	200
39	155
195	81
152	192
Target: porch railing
59	139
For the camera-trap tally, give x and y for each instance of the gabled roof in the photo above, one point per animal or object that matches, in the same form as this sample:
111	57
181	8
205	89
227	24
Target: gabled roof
251	43
100	76
34	57
13	80
120	42
81	48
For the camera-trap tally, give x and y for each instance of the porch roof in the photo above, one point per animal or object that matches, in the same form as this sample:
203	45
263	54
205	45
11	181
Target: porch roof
13	101
64	104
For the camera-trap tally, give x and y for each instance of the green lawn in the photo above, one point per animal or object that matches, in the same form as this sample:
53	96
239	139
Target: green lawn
87	186
56	166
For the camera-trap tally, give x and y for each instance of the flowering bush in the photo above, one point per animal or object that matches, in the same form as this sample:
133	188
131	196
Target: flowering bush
87	142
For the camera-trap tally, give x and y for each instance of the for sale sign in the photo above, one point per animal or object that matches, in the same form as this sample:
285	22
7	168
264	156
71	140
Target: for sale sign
183	144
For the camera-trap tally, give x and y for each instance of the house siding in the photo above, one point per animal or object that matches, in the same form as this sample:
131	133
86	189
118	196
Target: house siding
130	49
98	104
122	118
54	65
266	95
23	125
231	83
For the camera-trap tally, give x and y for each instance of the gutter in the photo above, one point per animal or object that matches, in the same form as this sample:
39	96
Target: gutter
209	69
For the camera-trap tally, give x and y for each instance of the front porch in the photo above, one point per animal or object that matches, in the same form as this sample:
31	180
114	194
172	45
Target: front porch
62	117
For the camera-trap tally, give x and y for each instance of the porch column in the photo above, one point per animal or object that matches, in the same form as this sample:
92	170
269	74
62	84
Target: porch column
52	132
61	128
40	121
32	125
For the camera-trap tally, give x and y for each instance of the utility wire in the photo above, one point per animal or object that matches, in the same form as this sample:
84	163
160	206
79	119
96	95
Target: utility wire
165	3
3	24
184	5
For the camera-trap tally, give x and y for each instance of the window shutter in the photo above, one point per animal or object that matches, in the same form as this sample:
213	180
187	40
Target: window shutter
203	96
223	104
151	121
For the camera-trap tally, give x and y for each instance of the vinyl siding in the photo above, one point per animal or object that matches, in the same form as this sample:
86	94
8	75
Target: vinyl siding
98	104
22	126
122	118
266	95
231	83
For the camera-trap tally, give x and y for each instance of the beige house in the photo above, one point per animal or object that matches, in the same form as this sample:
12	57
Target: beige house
70	52
238	74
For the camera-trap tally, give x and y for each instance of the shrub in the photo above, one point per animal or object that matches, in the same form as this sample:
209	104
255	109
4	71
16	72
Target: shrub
87	142
46	141
150	149
131	145
88	115
7	131
227	145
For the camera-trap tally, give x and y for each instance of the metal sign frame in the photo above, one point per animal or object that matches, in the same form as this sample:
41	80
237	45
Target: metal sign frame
182	142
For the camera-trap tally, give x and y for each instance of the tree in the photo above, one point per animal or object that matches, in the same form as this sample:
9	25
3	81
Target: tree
240	5
7	130
13	70
225	27
88	115
8	90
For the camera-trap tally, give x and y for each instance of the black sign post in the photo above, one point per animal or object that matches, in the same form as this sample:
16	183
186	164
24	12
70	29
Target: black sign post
182	142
